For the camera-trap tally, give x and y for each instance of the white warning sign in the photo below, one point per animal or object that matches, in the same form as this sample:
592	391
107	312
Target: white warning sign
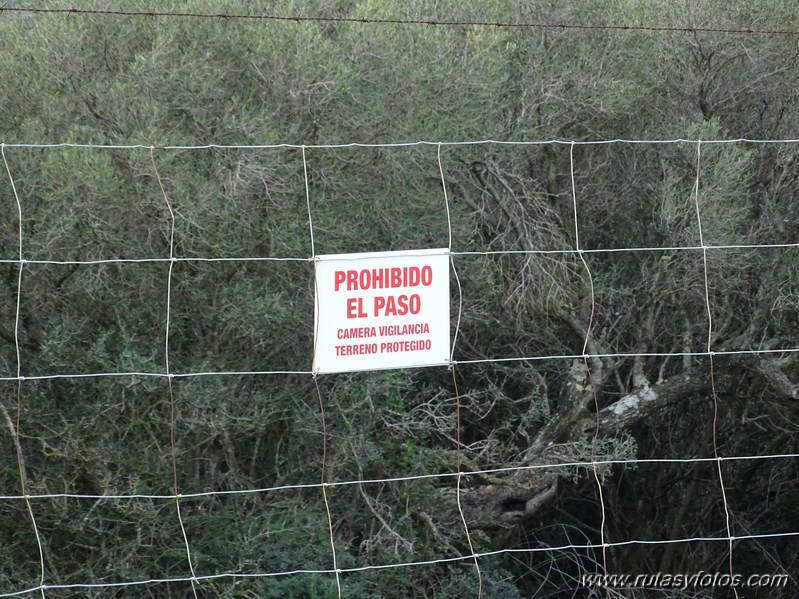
382	310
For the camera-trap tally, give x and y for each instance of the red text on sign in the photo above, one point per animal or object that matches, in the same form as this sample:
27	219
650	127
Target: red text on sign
360	349
383	278
355	307
400	305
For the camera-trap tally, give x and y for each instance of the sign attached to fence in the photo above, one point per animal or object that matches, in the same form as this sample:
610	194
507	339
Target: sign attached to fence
382	310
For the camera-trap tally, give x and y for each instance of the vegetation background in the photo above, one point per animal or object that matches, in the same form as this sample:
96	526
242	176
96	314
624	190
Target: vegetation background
158	81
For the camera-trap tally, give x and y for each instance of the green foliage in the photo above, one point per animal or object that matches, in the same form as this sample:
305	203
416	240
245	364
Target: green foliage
180	81
723	172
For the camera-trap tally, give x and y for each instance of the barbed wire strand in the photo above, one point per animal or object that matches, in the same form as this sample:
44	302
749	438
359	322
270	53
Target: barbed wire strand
430	22
172	406
16	434
452	369
713	391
